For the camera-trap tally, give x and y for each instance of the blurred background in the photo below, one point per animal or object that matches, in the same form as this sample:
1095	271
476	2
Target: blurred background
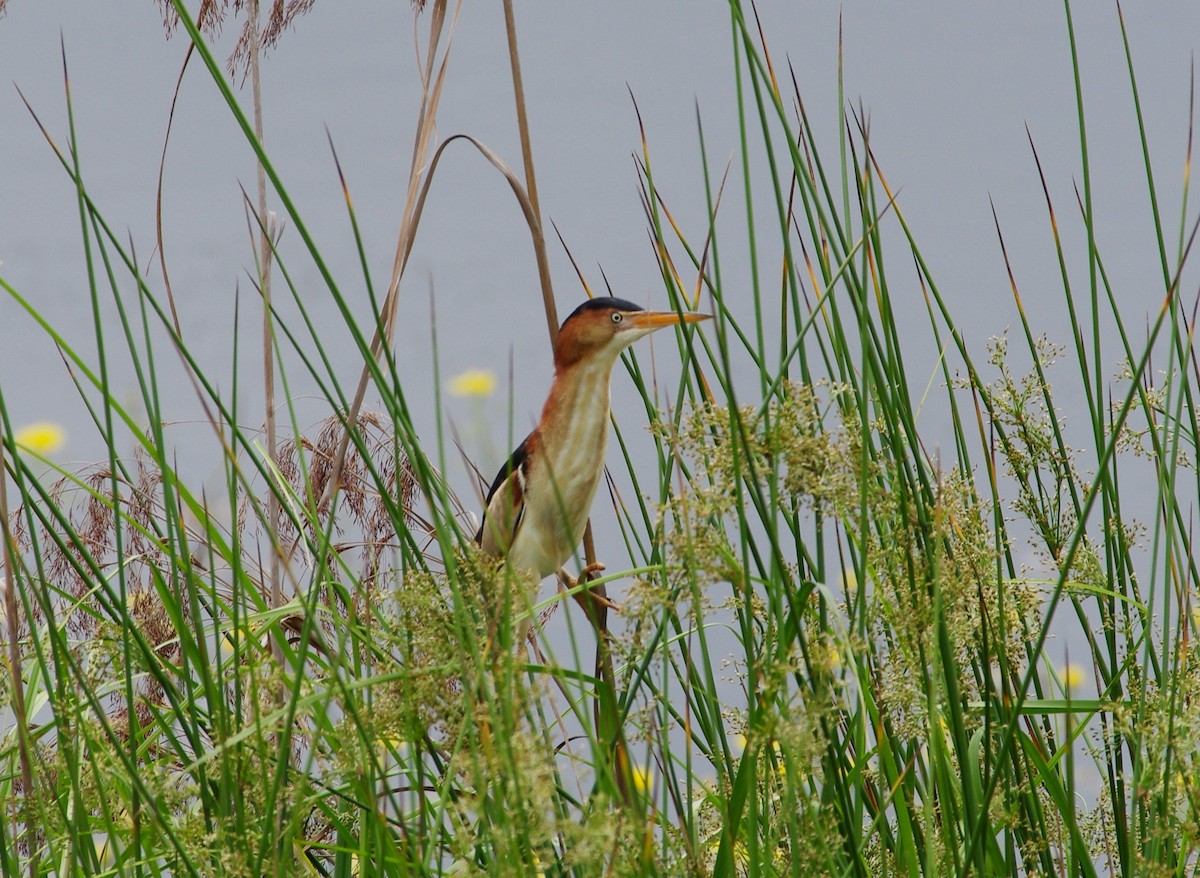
948	90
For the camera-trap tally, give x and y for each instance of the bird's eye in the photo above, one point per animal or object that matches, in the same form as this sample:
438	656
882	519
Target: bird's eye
617	317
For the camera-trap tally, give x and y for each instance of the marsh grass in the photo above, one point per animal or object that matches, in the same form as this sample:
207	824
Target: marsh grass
833	652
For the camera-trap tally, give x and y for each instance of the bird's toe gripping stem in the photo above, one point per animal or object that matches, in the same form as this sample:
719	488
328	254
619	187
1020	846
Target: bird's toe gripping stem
591	598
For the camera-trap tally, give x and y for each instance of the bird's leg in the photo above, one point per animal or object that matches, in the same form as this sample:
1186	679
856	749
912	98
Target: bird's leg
591	595
596	603
591	570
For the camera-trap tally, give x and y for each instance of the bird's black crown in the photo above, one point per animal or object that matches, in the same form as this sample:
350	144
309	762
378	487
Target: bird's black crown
601	302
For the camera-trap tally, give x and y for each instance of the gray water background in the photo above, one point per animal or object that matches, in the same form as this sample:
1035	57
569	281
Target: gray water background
949	89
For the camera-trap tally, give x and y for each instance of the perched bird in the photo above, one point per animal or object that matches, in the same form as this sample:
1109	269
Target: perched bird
538	506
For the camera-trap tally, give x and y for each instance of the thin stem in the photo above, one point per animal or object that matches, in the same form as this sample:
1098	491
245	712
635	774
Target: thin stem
539	244
264	287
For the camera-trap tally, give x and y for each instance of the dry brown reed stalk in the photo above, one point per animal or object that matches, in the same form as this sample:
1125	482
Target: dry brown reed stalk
247	55
539	240
594	601
250	39
433	76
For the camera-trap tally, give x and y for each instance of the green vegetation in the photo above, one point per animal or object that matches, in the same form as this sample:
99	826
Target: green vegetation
831	657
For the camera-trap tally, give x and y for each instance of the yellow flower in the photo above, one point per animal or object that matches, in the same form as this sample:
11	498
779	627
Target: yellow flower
1072	677
641	779
43	437
780	761
473	382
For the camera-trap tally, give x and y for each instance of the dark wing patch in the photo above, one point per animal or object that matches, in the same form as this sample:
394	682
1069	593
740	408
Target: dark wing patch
515	465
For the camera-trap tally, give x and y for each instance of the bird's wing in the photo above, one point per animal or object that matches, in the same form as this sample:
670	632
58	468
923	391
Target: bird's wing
505	504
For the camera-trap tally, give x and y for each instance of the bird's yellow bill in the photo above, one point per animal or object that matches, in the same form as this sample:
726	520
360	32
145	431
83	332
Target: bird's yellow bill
657	319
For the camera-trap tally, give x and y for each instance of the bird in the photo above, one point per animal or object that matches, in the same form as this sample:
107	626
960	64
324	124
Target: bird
539	503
